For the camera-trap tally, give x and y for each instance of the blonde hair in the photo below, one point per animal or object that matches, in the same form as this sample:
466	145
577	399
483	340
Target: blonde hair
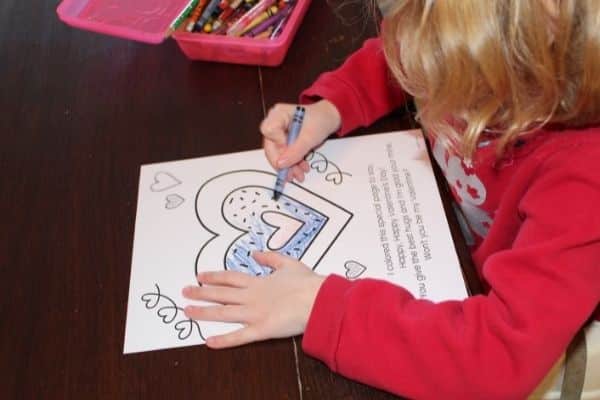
509	66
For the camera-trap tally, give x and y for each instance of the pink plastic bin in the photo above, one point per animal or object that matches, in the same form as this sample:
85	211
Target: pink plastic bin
149	21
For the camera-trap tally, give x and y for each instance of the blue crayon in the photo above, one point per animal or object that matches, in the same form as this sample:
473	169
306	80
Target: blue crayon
293	132
208	11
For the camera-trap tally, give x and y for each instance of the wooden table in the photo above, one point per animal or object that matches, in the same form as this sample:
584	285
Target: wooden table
80	113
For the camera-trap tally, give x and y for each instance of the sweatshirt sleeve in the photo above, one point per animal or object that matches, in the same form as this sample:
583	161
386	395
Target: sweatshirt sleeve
362	89
497	346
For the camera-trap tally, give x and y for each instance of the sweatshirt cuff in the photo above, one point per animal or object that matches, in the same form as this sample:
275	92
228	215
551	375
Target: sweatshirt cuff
341	95
322	333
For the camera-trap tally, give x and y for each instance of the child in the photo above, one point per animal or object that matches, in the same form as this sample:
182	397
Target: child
508	92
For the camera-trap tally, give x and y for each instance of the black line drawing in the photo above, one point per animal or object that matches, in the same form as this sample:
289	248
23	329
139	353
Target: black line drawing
170	312
247	211
354	269
320	163
164	181
173	201
248	208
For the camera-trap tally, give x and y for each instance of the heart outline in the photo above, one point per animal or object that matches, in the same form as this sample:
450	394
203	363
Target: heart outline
278	228
354	269
164	181
173	201
221	233
168	313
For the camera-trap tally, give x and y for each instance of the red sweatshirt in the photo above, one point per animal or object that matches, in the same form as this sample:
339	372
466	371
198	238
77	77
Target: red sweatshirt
535	221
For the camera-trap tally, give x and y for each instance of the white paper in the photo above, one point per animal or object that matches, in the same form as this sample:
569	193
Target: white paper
368	208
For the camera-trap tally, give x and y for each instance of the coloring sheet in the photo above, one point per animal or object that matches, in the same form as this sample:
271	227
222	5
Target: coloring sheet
369	207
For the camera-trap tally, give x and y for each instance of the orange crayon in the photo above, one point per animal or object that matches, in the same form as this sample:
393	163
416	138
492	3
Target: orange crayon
195	16
264	34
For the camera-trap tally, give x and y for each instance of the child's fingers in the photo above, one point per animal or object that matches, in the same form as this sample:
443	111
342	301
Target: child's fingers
217	313
304	166
215	294
276	123
271	259
235	338
275	130
295	152
272	152
289	177
298	173
225	278
282	109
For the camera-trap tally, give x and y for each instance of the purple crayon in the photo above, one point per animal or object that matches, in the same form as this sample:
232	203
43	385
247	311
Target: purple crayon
281	24
271	21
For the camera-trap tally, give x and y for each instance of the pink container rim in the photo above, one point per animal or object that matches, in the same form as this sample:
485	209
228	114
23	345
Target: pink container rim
149	21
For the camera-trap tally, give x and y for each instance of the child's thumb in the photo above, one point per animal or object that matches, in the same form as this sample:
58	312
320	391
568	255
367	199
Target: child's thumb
294	153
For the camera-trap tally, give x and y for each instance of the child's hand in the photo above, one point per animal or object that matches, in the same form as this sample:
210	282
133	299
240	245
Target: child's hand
320	120
273	306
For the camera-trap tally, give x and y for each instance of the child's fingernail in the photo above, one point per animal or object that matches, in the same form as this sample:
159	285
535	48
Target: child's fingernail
282	162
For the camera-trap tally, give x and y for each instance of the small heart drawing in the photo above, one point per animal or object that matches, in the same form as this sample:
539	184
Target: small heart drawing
164	181
285	226
168	313
354	269
185	328
173	201
151	299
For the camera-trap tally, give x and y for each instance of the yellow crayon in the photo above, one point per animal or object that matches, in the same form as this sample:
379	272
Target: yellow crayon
260	18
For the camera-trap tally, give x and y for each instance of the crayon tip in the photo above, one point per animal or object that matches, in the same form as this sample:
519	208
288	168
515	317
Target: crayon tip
276	195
